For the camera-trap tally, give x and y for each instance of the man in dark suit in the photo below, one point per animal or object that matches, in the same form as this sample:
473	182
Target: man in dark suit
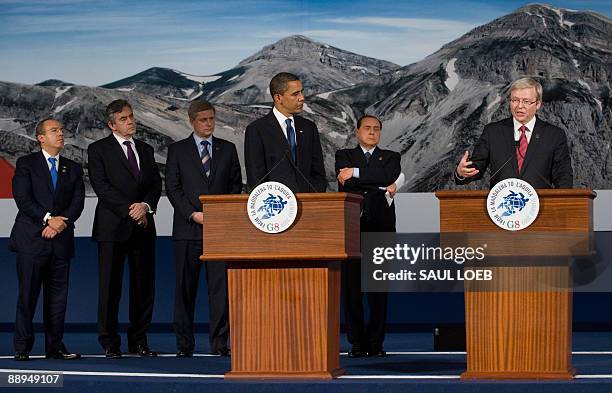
125	177
520	147
49	193
284	147
370	171
201	164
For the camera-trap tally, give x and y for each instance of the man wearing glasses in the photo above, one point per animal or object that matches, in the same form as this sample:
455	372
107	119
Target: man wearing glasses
520	147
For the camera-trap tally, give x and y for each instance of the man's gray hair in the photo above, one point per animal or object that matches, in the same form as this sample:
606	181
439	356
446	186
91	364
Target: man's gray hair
526	83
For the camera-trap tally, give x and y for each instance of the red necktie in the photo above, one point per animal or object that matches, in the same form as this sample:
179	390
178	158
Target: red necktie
522	148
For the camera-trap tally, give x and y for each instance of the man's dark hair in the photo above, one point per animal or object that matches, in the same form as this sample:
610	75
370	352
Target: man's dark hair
40	126
366	117
199	106
278	84
115	107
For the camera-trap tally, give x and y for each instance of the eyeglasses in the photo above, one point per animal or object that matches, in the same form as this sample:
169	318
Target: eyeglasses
56	130
516	101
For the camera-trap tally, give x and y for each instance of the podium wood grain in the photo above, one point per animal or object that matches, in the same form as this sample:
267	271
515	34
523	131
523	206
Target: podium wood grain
284	289
519	329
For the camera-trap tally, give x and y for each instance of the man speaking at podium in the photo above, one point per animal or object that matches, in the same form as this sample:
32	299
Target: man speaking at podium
283	147
520	147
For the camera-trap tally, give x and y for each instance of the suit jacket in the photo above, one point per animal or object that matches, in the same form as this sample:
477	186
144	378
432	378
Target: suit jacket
265	145
117	188
381	171
34	196
547	161
186	181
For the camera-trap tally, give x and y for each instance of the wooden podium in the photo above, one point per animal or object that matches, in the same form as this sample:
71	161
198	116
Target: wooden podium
284	289
514	330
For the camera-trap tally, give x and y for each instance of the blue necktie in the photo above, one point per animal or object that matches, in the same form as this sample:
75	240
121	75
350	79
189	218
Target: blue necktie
205	157
53	170
291	139
368	155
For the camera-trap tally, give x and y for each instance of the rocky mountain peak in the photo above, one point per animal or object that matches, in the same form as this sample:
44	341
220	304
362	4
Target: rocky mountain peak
54	83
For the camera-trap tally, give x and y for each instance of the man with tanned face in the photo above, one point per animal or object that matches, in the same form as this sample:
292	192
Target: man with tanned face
50	194
369	171
200	164
282	146
521	146
125	177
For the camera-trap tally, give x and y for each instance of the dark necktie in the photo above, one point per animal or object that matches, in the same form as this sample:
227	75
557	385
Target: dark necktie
205	157
368	155
522	148
53	171
132	159
291	139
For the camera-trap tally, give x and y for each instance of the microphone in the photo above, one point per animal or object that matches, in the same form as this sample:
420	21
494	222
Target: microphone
516	146
299	171
261	179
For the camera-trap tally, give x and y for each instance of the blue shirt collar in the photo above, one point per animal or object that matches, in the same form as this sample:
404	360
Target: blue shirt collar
199	139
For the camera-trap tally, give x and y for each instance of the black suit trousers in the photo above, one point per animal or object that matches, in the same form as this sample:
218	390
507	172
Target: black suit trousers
139	250
368	337
188	266
50	273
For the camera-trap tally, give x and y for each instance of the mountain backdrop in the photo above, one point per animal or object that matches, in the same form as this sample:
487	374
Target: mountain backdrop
432	110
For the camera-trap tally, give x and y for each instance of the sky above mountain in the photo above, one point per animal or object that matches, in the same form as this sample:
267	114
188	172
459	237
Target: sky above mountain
93	42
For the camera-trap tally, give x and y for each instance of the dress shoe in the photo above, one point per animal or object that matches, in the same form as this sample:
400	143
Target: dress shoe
63	354
221	352
143	351
184	354
112	352
22	356
357	352
380	353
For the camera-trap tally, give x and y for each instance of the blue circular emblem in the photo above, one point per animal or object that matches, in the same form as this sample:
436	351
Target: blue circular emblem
272	207
513	204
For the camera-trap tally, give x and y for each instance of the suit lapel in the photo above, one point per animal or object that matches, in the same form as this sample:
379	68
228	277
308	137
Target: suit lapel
508	135
276	132
299	137
359	157
532	147
376	157
43	170
193	155
117	151
62	172
217	155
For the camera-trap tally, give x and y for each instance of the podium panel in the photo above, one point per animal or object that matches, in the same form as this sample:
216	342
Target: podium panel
517	330
284	289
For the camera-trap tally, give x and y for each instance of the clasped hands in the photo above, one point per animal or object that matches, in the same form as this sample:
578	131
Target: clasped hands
55	225
138	212
347	173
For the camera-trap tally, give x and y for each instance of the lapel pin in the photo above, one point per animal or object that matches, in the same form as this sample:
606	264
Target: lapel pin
380	158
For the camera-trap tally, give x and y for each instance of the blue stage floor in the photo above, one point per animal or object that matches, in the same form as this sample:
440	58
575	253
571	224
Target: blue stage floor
411	366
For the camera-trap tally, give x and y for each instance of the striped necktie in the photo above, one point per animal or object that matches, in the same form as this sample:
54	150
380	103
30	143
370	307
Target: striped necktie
522	148
205	157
